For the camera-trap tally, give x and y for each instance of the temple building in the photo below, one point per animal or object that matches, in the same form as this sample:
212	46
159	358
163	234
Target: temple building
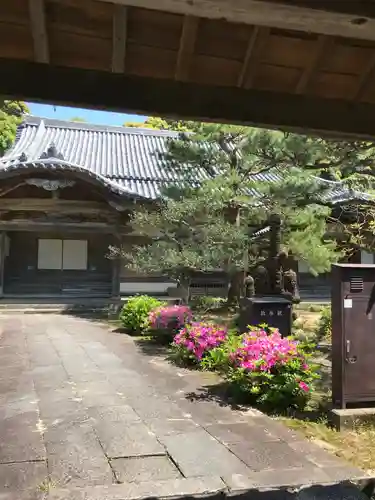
67	191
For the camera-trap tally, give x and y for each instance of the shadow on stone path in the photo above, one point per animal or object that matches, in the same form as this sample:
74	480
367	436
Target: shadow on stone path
85	416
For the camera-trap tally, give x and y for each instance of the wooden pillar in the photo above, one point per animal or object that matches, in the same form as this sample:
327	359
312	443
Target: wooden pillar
116	269
2	261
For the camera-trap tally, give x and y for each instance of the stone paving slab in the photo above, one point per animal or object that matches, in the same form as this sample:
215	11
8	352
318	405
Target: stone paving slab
197	452
22	476
24	440
143	469
83	409
75	456
127	440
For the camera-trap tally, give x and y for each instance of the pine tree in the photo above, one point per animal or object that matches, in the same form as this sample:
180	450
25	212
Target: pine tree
230	183
11	113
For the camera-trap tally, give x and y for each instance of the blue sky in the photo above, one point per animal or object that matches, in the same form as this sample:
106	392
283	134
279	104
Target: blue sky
90	115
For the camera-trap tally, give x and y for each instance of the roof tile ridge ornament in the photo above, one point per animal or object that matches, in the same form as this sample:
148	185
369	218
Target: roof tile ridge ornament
50	184
63	164
52	152
31	151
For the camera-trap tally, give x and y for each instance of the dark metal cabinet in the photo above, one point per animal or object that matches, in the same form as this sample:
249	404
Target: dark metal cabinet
353	335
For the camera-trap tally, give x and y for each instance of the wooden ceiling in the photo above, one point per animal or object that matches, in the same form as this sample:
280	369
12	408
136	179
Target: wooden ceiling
172	46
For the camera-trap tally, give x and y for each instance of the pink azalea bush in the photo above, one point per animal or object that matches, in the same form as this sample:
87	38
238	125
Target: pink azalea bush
272	370
170	318
196	340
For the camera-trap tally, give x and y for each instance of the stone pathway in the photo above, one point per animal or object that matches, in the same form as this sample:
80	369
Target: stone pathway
85	415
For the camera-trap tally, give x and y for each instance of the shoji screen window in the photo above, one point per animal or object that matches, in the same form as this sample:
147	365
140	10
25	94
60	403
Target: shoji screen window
67	255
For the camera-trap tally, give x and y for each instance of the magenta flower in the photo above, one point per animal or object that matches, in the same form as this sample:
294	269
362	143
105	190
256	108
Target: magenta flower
262	352
304	386
170	317
198	338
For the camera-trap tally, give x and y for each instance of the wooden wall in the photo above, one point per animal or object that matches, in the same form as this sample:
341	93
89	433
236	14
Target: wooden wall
22	275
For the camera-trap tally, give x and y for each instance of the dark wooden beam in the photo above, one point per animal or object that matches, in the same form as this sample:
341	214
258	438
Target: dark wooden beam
39	30
365	78
80	228
363	8
119	36
6	190
350	18
187	44
110	91
322	46
256	43
54	205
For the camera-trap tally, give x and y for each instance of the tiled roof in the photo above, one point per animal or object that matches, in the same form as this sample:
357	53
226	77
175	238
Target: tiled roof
125	159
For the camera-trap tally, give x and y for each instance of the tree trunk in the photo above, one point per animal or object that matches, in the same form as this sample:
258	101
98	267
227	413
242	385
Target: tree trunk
235	288
185	289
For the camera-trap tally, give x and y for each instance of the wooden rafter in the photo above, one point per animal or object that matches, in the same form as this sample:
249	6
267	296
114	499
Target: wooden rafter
260	40
353	19
39	30
120	21
365	79
322	45
187	44
257	39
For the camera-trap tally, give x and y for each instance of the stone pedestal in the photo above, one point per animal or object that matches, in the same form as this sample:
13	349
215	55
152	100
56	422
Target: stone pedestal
351	418
273	310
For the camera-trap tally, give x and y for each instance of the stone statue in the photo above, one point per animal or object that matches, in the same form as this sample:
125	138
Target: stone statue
285	284
273	276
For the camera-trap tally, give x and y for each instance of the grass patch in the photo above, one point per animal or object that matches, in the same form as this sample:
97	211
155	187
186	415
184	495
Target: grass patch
310	307
356	446
223	317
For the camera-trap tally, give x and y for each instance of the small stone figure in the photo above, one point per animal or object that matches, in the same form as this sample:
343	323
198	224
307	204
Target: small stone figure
249	286
289	279
285	280
291	286
262	279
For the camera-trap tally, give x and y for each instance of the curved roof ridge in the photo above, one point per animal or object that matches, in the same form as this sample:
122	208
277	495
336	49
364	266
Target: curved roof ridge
30	152
56	123
30	149
52	163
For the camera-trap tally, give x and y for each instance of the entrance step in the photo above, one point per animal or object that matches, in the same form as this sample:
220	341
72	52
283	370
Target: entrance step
102	307
209	487
40	306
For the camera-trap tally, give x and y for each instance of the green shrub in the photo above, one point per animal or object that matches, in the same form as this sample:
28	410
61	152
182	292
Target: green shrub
324	327
272	371
218	359
134	315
